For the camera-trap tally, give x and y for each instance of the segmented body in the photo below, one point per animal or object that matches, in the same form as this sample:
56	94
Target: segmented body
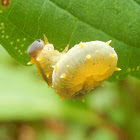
45	60
75	73
83	68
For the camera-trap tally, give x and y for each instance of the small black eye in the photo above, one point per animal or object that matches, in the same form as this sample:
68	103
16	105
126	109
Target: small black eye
38	40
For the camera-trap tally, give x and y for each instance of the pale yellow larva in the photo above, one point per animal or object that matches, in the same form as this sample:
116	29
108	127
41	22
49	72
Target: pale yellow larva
73	74
44	57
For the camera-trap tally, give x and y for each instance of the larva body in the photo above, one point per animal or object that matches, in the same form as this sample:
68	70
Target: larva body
45	61
82	68
75	73
44	57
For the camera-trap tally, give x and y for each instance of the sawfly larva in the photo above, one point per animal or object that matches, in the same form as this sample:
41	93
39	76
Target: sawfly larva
73	73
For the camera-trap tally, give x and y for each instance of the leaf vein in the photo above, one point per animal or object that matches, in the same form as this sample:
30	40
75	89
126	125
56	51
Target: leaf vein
39	19
17	27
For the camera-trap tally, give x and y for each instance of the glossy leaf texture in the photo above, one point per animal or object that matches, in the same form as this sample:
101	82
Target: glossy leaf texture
70	22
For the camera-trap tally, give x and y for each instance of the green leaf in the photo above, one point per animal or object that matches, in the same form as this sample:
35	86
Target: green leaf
72	21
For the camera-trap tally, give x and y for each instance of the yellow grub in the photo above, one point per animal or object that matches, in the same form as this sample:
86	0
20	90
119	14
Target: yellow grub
81	45
31	61
79	76
88	57
117	69
112	55
44	56
55	67
83	76
108	42
63	75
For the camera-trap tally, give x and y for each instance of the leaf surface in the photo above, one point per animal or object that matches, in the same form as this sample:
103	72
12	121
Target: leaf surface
72	21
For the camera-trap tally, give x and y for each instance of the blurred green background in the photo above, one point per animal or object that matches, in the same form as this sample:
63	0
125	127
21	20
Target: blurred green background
29	112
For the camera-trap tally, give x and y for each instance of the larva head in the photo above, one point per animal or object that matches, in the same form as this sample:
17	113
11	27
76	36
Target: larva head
35	48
